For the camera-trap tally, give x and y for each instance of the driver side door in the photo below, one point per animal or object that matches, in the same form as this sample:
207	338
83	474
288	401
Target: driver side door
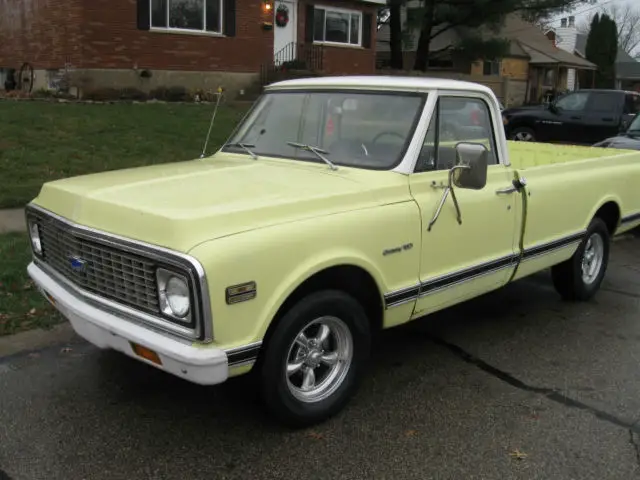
565	122
461	261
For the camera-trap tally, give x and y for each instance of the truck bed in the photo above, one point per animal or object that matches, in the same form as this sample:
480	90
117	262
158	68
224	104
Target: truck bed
524	155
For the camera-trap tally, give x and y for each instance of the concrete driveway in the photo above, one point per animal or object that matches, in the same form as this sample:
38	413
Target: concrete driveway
514	385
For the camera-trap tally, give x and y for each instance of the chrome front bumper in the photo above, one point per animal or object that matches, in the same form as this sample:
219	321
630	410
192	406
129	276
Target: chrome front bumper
205	365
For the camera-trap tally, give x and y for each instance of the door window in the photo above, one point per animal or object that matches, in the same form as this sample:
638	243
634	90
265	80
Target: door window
574	102
603	103
455	120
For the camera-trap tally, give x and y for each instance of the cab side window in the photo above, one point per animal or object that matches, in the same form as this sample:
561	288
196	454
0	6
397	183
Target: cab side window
603	103
455	120
573	102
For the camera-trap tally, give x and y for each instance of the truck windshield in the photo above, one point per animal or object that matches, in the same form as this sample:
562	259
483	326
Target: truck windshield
354	128
635	125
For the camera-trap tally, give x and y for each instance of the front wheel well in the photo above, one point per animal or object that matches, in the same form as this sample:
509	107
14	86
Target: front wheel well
610	215
353	280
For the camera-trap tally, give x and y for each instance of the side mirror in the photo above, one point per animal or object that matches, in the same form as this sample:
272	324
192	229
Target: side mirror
471	167
624	126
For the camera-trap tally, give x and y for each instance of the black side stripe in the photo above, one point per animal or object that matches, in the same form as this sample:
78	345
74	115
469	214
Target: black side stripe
462	276
399	297
411	293
243	355
630	218
555	245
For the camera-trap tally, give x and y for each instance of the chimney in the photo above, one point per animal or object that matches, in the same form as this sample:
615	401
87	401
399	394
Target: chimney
572	22
563	23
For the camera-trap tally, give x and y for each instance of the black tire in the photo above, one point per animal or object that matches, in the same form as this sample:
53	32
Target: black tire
567	276
526	131
278	395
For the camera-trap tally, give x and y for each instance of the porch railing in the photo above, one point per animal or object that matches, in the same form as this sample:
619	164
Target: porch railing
293	56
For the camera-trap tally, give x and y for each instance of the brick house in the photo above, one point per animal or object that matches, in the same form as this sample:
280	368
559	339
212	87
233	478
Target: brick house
192	43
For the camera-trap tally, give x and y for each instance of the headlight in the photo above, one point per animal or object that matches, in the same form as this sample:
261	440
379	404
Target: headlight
174	295
34	234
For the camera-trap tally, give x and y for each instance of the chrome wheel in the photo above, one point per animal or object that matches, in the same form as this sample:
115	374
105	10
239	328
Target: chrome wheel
319	359
592	258
523	137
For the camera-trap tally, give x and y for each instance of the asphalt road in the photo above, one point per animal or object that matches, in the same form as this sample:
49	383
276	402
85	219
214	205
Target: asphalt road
451	397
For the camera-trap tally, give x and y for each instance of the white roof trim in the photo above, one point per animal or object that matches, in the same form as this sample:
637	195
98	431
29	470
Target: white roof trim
381	82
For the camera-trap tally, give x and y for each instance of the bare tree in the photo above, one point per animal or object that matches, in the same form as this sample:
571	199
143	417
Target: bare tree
627	18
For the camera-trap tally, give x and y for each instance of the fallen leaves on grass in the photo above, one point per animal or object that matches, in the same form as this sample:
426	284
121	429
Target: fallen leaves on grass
518	455
315	435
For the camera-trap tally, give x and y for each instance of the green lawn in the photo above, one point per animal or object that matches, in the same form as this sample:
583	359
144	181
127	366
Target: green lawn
41	141
22	307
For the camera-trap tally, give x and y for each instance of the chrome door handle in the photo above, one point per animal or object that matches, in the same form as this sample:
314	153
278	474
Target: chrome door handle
517	185
506	191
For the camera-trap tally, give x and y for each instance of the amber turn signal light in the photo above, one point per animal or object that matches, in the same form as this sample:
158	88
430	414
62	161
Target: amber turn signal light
146	353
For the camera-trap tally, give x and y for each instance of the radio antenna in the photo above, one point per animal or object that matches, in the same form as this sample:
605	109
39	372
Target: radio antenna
213	117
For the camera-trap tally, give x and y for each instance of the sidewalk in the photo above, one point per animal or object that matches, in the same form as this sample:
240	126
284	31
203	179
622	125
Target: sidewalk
12	221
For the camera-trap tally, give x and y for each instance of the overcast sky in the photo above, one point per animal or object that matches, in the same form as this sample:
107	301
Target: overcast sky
583	11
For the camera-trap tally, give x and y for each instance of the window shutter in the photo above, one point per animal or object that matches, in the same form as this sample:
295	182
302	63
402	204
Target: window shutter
230	18
308	34
367	20
144	14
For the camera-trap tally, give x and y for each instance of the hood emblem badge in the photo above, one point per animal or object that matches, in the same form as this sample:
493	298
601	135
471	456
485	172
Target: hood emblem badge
77	264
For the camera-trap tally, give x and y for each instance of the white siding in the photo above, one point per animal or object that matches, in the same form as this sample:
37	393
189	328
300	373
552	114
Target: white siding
571	79
566	40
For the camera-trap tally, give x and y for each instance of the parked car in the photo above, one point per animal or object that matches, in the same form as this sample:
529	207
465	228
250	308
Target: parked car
580	117
629	140
316	226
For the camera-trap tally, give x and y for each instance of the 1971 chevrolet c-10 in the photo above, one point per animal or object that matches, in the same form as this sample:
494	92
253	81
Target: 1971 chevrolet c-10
338	207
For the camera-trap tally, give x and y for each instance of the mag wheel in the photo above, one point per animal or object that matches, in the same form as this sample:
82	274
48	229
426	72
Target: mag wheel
580	277
315	358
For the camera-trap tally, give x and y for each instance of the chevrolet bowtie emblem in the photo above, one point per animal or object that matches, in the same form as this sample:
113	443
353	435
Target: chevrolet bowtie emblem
77	263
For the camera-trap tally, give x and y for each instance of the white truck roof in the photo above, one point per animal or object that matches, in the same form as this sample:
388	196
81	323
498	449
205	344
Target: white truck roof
383	82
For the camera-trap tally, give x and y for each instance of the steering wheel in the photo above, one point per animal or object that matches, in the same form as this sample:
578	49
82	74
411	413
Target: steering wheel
395	134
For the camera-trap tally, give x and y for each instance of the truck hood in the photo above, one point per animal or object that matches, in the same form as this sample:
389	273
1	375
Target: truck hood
182	204
624	142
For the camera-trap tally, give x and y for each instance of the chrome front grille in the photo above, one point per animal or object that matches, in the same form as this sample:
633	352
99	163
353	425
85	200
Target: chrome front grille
99	268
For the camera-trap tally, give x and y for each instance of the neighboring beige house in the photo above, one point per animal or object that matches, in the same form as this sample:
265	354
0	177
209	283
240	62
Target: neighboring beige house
567	37
534	65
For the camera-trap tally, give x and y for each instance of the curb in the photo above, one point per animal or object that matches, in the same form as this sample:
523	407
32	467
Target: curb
38	339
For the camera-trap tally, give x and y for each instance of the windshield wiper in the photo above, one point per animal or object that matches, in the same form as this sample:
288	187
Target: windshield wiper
317	150
246	147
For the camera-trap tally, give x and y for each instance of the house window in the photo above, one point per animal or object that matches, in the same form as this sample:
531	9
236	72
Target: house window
491	67
333	25
191	15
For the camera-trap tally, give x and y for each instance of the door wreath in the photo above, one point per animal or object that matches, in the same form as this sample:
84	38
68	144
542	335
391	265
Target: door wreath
282	15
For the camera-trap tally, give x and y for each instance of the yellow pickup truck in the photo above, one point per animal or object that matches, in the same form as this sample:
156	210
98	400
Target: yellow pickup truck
338	207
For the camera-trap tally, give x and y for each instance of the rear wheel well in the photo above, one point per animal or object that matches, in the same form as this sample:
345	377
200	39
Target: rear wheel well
350	279
609	213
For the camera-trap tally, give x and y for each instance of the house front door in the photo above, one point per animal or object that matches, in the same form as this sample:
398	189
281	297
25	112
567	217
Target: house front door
285	19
